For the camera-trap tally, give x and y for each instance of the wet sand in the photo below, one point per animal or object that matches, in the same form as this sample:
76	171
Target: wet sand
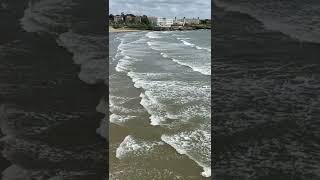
111	29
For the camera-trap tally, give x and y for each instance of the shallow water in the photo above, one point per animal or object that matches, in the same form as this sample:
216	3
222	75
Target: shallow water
162	80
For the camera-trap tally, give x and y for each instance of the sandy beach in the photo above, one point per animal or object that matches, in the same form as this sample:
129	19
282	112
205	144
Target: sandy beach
111	29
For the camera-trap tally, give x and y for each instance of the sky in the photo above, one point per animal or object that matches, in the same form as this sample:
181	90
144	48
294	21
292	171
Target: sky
163	8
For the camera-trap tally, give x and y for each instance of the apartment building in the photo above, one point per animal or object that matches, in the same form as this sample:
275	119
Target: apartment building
192	21
164	22
185	21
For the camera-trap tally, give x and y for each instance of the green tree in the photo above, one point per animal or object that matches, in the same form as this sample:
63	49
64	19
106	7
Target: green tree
111	17
145	20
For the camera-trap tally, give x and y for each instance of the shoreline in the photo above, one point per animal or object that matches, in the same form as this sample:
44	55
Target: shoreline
113	30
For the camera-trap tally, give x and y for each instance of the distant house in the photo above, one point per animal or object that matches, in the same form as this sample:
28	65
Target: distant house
129	18
118	19
164	22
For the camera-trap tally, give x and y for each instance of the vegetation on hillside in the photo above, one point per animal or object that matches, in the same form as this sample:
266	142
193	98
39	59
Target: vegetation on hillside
143	24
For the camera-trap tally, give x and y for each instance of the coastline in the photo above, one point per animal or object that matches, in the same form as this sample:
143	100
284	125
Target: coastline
119	30
111	29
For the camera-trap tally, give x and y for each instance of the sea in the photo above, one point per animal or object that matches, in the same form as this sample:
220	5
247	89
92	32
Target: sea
266	84
160	105
54	90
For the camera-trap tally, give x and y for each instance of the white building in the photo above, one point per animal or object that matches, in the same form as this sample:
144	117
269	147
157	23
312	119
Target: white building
169	22
164	22
185	21
192	21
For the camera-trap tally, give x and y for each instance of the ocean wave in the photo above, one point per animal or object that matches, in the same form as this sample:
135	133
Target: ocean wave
187	43
167	98
156	92
154	108
171	48
205	70
125	64
132	146
153	35
196	145
124	110
208	49
194	45
120	119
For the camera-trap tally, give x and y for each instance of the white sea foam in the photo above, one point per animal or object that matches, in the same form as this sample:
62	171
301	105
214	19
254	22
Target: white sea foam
154	108
187	43
125	64
203	69
131	146
124	110
158	92
119	100
153	35
194	64
120	119
164	55
129	53
196	145
206	70
208	49
194	45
